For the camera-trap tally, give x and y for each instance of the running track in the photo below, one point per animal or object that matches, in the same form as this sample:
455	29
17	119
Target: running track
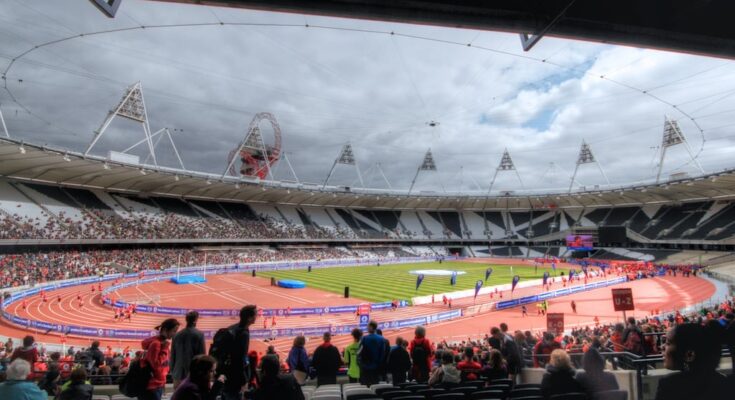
665	293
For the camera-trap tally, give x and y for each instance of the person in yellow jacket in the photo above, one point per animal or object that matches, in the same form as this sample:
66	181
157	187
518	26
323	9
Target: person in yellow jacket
350	356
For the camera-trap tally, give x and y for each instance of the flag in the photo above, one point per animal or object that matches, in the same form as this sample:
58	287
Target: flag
553	266
453	279
488	272
419	279
546	277
513	284
478	285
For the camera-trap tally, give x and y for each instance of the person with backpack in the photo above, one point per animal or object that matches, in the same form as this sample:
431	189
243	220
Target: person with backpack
230	347
370	355
187	344
157	349
78	387
420	350
326	362
350	356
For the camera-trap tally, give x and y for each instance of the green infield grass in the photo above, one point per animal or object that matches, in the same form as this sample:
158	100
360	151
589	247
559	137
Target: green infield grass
388	282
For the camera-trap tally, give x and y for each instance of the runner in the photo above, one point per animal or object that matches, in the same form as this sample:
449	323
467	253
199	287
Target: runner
524	311
574	306
58	299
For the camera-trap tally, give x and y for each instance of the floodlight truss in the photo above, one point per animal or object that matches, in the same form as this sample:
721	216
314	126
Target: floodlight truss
674	136
2	122
427	164
347	157
132	107
506	164
586	157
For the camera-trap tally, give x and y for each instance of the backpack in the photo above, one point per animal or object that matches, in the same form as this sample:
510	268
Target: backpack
419	356
222	347
135	382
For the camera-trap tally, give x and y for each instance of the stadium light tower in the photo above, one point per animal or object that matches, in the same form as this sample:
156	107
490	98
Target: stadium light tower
586	157
506	164
427	164
2	121
346	157
132	107
672	137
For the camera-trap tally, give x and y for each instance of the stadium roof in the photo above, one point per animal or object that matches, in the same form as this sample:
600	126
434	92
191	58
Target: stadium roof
701	27
22	161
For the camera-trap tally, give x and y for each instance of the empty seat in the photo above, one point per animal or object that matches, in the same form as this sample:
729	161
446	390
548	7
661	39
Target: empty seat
611	395
569	396
360	396
464	390
488	395
523	392
327	396
100	397
411	397
416	387
430	393
381	390
355	393
449	396
395	394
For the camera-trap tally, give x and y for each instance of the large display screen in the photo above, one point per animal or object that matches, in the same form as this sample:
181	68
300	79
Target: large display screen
579	242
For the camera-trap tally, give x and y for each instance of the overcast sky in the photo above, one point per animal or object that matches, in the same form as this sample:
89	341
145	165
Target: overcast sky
377	91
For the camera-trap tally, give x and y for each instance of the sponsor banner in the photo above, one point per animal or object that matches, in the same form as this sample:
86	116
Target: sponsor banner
556	293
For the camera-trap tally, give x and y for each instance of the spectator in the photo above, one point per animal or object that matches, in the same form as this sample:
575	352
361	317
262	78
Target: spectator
196	384
510	351
693	350
326	362
96	355
421	351
469	368
543	349
78	388
156	357
28	352
16	387
50	382
187	344
298	361
495	368
370	355
559	376
384	361
399	361
236	374
447	373
350	355
633	338
274	385
594	378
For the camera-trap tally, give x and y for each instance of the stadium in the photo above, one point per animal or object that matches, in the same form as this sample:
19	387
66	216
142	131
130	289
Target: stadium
100	244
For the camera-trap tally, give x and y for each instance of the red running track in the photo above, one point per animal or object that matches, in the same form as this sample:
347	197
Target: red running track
665	293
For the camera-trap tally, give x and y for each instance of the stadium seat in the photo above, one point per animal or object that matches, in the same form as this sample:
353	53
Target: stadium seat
395	394
527	385
569	396
488	394
430	393
411	397
416	387
100	397
611	395
529	398
121	397
523	392
505	381
464	390
360	396
385	389
349	393
477	384
449	396
504	388
327	396
379	386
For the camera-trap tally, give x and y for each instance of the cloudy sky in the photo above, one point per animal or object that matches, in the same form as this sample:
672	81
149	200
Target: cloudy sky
360	85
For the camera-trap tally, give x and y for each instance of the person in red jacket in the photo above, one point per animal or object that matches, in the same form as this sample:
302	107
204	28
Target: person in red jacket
157	355
28	352
420	351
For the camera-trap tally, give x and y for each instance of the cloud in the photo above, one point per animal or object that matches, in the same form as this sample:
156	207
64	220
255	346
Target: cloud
377	91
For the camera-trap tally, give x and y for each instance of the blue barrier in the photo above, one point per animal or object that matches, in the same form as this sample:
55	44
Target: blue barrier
188	279
556	293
